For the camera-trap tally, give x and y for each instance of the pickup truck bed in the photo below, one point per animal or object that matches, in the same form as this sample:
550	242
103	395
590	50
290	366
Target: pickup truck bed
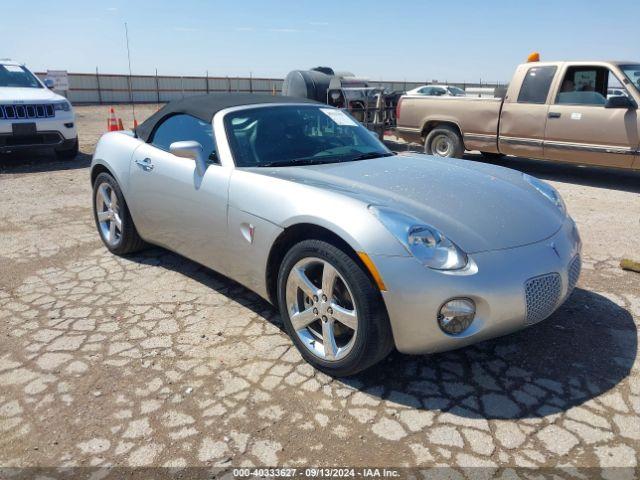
477	119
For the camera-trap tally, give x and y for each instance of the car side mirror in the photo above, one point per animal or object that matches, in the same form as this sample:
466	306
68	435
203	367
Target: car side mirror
193	150
49	83
619	102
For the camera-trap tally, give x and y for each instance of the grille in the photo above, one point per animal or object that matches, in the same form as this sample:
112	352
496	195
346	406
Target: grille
542	295
574	273
41	138
19	112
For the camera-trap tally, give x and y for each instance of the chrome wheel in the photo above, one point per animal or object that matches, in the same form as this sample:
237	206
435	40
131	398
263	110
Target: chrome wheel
442	146
108	214
321	308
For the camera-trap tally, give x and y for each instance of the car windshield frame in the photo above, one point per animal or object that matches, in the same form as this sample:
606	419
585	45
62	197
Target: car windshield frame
365	145
31	81
626	71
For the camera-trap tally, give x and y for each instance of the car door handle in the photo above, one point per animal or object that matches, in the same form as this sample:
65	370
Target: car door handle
555	114
145	164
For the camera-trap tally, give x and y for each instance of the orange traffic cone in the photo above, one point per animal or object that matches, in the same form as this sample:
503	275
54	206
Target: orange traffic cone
112	123
120	126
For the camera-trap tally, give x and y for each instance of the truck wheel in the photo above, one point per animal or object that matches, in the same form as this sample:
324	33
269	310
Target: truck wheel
444	141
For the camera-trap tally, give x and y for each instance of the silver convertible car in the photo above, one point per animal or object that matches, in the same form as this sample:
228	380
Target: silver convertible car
360	249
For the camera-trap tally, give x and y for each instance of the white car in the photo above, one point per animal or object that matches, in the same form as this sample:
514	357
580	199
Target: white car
438	91
616	92
32	116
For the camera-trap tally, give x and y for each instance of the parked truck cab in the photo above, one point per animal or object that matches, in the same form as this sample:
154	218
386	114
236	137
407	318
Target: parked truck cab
578	112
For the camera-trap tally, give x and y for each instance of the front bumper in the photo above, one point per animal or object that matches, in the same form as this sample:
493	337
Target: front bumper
55	132
509	288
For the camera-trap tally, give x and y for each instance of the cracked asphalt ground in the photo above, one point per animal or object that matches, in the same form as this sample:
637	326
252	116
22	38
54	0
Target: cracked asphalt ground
154	360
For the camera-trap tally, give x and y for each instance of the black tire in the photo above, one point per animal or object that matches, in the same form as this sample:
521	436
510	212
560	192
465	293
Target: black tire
444	134
68	153
492	155
374	339
130	240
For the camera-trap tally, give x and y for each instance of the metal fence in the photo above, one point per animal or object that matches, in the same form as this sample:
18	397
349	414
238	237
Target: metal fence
116	88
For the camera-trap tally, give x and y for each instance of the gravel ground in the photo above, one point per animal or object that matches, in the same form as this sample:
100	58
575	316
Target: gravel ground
154	360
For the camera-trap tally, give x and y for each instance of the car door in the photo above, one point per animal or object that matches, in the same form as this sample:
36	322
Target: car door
173	205
524	113
580	127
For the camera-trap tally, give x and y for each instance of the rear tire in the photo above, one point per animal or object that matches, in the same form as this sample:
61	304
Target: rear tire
113	219
444	141
353	348
68	153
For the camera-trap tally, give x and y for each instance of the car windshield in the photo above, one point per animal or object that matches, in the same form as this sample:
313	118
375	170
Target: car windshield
632	72
457	92
17	76
285	135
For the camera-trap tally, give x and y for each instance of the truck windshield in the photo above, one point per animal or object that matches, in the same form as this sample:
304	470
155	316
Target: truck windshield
287	135
17	76
632	72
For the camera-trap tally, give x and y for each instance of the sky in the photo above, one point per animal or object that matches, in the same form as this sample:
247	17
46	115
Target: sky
402	40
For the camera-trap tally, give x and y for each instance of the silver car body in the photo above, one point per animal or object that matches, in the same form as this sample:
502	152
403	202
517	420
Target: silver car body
523	251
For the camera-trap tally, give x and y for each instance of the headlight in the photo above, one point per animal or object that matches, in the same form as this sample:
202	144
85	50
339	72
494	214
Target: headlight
423	241
547	190
64	106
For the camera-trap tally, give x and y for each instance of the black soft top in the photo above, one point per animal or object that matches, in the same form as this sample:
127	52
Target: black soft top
205	107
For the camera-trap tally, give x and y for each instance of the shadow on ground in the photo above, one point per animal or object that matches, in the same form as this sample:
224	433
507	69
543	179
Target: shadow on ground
40	161
582	351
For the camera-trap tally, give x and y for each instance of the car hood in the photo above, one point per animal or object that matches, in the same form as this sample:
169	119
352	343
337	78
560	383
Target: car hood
479	206
25	95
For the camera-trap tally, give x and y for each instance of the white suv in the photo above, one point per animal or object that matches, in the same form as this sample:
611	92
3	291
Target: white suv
32	116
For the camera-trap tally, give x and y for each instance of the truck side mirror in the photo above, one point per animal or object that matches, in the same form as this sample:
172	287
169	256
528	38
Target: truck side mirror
49	83
621	101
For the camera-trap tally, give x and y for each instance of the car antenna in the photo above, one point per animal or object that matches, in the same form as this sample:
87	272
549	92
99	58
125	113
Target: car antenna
133	105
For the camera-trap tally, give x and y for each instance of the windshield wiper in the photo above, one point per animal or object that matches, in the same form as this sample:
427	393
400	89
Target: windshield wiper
315	160
299	161
371	155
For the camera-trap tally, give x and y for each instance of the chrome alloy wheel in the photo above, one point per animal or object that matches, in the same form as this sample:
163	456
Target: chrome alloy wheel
321	308
108	214
442	146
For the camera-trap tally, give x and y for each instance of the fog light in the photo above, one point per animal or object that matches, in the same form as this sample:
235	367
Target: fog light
69	125
456	315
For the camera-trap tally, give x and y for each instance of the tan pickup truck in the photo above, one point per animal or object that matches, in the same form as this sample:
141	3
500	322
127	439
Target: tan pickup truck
579	112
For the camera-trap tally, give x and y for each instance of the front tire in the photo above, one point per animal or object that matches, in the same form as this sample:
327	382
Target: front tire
68	153
444	141
332	310
113	220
